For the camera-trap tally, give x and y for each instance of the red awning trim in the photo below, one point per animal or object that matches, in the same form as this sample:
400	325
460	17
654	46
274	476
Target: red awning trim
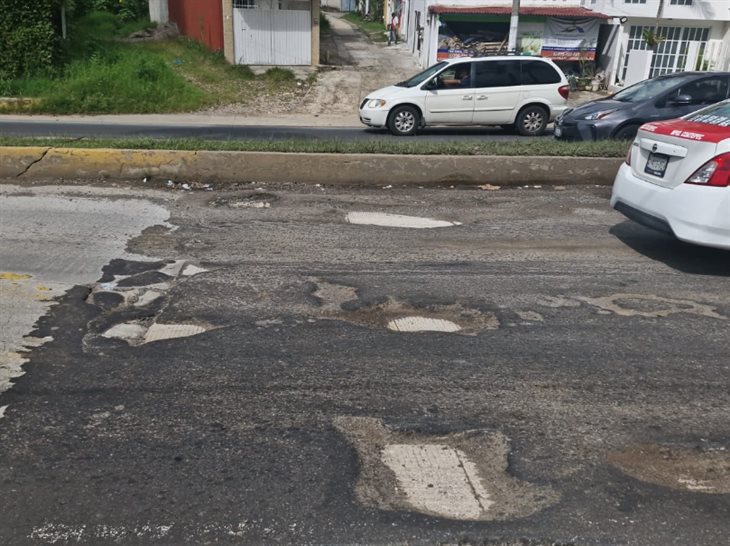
507	10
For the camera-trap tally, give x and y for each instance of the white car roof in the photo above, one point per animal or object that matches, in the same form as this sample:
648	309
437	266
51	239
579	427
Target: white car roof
498	58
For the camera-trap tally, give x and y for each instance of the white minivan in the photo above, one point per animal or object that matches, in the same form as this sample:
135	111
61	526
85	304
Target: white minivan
526	93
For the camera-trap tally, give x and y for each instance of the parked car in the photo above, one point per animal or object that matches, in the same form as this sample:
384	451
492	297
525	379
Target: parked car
521	92
676	177
664	97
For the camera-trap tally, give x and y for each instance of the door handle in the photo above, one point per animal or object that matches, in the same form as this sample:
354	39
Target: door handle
466	97
482	97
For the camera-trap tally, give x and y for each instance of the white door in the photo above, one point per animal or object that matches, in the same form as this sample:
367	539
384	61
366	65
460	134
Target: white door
497	92
272	37
450	103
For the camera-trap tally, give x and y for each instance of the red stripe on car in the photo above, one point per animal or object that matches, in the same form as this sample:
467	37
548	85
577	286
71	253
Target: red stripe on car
689	130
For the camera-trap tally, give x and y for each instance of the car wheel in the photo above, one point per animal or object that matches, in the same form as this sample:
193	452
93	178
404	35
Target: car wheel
627	132
531	121
404	120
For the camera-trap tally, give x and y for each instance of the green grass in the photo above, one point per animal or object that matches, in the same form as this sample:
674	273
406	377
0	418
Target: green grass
109	76
375	30
406	146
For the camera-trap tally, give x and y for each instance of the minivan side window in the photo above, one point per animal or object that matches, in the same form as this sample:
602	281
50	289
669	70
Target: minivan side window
538	73
707	91
497	73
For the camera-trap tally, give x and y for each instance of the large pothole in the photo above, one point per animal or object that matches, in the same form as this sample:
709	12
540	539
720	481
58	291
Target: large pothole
701	469
461	476
399	316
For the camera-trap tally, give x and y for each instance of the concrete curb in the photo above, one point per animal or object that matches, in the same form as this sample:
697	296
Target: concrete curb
330	169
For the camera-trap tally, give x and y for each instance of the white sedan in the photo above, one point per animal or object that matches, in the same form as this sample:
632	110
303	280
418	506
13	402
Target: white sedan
676	177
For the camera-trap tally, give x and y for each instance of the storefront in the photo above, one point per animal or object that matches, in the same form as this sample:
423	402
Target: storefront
567	35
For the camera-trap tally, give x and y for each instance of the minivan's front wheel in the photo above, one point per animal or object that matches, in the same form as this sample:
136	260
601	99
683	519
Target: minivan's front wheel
532	120
403	120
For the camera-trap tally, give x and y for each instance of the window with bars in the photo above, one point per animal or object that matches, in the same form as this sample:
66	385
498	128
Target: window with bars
244	4
671	55
681	2
634	1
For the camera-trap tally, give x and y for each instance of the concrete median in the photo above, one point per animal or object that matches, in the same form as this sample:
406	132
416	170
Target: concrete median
332	169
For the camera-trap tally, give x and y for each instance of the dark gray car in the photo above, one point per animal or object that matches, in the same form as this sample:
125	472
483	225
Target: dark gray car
664	97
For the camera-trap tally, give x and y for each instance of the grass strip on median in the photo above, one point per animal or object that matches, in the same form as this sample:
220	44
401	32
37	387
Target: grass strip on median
535	147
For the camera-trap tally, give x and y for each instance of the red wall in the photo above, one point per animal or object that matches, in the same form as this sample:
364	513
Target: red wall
201	20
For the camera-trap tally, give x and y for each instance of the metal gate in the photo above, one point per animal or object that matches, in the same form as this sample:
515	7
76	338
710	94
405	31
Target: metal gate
272	36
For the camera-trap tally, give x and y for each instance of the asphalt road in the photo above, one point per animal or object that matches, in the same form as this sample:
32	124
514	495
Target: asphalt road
581	397
240	132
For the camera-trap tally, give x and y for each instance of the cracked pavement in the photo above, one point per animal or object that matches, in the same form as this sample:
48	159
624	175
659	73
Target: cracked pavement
583	402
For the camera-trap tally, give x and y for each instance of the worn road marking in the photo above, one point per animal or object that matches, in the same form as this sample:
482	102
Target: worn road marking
438	479
422	324
396	220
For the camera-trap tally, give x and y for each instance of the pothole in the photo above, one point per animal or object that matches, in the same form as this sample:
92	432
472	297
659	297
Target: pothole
138	333
700	469
158	332
400	316
649	305
422	324
332	296
396	220
461	476
259	200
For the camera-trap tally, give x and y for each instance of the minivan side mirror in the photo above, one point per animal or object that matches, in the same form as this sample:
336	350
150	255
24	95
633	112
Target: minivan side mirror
681	99
431	84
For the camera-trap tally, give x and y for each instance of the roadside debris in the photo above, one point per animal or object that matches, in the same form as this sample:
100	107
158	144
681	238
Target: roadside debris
187	186
490	187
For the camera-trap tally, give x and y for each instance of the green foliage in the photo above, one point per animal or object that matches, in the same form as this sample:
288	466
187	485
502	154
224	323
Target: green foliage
279	75
127	10
120	79
652	37
29	36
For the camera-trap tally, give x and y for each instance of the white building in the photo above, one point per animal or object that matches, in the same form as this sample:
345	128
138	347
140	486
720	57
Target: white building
696	33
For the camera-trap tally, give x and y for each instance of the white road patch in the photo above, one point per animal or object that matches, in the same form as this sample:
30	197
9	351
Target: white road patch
422	324
190	270
2	411
147	297
396	220
438	479
128	331
158	332
173	269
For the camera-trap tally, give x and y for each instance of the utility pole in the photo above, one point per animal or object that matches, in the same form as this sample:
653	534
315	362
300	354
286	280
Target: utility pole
513	24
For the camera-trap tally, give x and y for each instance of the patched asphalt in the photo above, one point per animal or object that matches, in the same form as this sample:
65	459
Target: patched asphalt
585	397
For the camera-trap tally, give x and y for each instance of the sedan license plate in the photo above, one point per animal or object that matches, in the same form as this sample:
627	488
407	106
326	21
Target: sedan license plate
558	131
656	164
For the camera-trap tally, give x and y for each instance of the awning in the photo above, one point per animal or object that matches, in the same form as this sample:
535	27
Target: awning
546	11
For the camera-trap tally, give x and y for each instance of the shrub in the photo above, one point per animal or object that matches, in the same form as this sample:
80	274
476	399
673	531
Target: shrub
29	39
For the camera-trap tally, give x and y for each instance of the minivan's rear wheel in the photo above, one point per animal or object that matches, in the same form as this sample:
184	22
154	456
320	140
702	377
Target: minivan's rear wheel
532	120
403	120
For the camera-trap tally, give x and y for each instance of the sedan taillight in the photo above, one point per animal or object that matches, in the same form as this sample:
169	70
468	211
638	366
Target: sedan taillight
564	91
716	172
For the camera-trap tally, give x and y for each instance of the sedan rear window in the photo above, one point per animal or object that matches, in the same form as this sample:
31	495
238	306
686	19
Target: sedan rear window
717	114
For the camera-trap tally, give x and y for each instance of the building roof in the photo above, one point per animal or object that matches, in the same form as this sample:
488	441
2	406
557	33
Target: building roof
545	11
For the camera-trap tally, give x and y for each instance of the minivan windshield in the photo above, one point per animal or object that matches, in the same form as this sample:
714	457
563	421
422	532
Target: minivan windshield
421	77
649	89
